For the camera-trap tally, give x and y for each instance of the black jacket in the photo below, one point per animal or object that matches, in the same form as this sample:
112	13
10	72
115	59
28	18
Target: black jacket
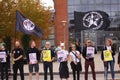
18	52
84	54
105	48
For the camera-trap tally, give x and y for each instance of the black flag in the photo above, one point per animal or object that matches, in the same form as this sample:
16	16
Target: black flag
96	20
26	26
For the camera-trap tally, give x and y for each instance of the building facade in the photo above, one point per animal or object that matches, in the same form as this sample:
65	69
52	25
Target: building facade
111	7
61	22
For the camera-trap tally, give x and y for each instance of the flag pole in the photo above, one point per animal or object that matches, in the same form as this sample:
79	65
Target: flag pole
15	30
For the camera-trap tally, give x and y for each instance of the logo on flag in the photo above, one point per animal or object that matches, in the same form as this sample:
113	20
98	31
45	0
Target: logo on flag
93	20
29	25
96	20
26	26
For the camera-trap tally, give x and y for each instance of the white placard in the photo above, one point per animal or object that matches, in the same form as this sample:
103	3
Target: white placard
32	58
62	55
2	57
90	52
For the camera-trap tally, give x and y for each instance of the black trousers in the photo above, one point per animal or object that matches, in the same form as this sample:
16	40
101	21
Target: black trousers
46	66
4	70
17	67
74	74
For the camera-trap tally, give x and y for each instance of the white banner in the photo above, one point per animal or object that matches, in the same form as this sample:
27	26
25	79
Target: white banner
32	58
62	55
2	57
90	52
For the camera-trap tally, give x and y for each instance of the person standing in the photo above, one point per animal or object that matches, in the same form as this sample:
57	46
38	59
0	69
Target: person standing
63	57
76	62
109	48
17	55
3	62
88	54
119	59
48	57
33	57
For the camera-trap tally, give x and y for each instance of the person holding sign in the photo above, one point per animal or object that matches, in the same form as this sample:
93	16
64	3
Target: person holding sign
3	62
48	57
107	57
62	56
17	55
33	57
76	66
88	53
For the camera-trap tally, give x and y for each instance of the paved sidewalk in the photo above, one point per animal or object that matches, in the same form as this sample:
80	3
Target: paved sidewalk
98	65
56	77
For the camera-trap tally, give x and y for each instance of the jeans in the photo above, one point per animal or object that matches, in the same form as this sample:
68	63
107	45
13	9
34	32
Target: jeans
46	66
106	66
92	65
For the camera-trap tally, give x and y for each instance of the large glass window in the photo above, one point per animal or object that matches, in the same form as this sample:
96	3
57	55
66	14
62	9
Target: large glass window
77	2
114	7
71	9
70	2
107	8
84	1
114	1
100	7
91	2
107	1
99	1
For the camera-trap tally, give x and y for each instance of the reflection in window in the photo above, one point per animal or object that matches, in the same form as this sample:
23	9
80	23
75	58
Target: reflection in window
114	7
84	1
100	7
107	1
92	7
84	8
99	1
71	9
77	2
107	8
70	2
114	1
91	2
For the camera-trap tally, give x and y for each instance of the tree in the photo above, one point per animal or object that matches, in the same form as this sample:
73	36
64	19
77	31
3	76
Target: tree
32	9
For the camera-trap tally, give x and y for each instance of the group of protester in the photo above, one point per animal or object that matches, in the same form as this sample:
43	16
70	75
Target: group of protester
48	55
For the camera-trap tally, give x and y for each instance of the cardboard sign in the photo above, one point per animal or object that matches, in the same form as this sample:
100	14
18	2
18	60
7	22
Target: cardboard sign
46	55
32	58
90	52
62	55
2	57
107	55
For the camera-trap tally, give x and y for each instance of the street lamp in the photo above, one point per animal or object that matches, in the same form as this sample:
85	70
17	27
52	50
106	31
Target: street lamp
64	24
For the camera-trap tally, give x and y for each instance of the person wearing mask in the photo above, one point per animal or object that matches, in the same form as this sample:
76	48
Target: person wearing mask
63	57
107	57
3	62
76	66
88	54
48	57
17	60
33	57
